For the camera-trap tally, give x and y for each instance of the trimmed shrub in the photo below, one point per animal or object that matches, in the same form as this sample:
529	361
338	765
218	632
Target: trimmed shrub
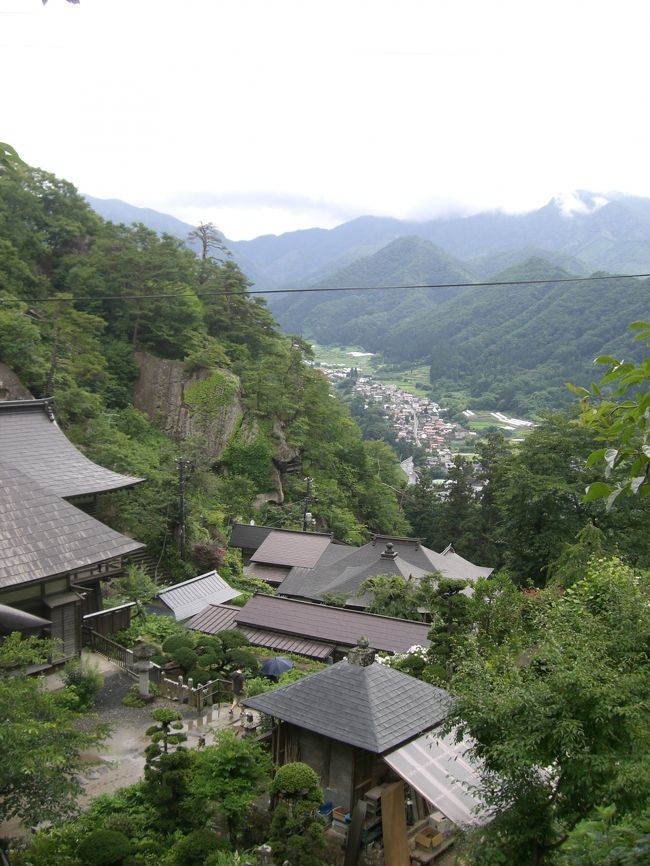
241	657
185	657
104	848
193	850
231	638
176	641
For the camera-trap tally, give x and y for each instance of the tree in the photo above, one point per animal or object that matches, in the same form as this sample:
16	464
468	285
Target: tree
560	722
41	741
622	422
392	596
231	774
296	835
210	241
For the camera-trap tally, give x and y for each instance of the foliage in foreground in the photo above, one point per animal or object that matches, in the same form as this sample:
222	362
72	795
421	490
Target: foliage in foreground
559	717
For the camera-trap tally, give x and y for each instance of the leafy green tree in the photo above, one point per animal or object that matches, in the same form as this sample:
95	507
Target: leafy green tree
560	724
450	620
622	422
392	596
230	775
41	740
296	835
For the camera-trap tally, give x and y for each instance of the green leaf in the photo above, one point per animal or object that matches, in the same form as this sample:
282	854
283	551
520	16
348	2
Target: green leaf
596	456
597	490
581	392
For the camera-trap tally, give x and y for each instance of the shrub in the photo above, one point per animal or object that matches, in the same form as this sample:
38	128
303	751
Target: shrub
84	680
132	697
296	778
104	848
258	685
193	850
231	638
243	658
176	641
185	657
200	677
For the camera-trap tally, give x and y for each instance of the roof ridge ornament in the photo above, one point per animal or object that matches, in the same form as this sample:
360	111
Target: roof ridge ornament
361	655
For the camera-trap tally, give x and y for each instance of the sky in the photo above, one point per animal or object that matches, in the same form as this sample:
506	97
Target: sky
266	116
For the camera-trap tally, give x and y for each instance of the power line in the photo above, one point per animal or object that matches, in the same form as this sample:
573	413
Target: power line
247	292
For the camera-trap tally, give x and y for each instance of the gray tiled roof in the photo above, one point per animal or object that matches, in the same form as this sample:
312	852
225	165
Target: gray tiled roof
190	597
33	443
333	625
43	535
347	573
374	707
284	547
248	536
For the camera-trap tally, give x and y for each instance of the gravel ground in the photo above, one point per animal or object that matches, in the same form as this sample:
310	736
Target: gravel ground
120	761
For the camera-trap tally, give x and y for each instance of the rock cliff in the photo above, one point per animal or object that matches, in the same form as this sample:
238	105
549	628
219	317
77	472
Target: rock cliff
183	404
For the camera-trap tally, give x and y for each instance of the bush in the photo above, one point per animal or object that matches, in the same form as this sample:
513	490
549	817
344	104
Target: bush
296	778
104	848
84	680
185	657
195	848
132	697
231	638
258	686
176	641
243	658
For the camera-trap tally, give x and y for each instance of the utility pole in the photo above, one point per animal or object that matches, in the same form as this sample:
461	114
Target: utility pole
306	514
184	466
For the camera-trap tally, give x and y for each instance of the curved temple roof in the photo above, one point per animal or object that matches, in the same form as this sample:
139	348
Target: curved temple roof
32	442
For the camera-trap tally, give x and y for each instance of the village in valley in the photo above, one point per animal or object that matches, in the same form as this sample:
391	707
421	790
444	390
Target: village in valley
417	419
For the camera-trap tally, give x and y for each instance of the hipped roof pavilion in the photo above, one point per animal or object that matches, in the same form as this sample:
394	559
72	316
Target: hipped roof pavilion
32	442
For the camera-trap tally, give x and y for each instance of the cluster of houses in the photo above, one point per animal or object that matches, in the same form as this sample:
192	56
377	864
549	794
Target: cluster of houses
415	419
371	732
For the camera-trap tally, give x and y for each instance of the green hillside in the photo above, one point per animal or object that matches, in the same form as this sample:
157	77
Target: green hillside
514	347
79	297
365	317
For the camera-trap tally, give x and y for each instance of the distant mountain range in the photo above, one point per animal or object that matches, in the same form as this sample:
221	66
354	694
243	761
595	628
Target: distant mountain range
515	345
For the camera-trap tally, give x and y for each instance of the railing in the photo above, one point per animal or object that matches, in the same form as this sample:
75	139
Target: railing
108	648
179	689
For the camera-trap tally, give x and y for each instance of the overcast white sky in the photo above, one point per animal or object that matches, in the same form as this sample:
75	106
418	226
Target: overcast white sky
264	116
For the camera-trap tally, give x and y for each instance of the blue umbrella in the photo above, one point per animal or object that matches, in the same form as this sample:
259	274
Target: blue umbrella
276	666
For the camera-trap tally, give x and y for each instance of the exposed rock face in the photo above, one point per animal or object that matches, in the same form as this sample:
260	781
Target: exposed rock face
161	391
11	388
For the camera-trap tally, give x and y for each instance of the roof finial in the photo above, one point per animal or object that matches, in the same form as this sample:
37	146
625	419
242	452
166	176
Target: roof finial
361	655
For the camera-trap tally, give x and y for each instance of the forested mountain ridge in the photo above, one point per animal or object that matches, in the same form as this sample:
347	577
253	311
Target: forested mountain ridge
82	302
598	232
332	317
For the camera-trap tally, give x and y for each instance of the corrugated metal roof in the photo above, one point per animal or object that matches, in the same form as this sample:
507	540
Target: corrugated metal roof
286	644
42	535
333	625
214	618
284	547
444	773
374	708
33	443
190	597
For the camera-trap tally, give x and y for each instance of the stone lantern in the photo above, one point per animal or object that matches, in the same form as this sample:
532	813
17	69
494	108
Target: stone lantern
142	654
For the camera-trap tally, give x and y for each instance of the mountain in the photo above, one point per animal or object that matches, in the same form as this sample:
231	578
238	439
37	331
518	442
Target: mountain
515	347
347	317
117	211
584	231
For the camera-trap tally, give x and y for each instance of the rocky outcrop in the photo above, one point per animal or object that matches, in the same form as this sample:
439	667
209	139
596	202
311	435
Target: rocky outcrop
11	388
163	389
